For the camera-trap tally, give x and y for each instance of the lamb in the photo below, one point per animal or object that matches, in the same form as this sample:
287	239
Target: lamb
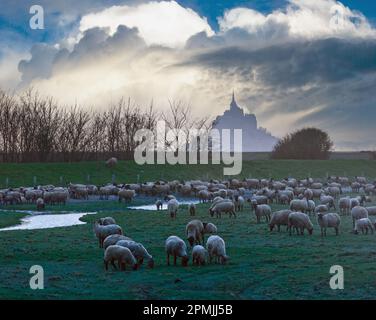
328	220
127	195
262	210
357	213
209	228
192	209
217	249
279	218
120	254
301	221
199	255
113	239
104	231
223	207
195	232
344	205
299	205
172	208
159	204
138	251
106	221
40	204
112	162
177	248
362	225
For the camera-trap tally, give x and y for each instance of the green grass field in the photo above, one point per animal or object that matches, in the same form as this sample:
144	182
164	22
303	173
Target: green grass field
16	175
263	265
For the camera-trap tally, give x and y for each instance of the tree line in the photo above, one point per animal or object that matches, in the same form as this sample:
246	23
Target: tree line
34	128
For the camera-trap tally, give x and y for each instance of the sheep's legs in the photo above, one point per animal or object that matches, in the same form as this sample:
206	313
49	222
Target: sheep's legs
174	259
168	259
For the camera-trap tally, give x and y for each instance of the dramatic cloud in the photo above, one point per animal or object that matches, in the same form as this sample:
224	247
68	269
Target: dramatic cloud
310	63
162	23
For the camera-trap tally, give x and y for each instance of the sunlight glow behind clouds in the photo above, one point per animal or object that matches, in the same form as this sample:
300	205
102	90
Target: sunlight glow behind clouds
159	23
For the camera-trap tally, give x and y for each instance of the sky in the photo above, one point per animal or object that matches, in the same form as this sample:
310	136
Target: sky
294	63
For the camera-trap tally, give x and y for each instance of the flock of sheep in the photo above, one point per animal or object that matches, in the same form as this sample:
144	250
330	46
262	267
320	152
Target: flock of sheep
126	252
303	199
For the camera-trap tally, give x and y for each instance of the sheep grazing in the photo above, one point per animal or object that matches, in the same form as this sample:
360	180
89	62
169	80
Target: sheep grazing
159	204
106	221
199	255
262	210
172	208
223	207
120	254
177	248
357	213
363	225
209	228
300	221
299	205
126	195
138	251
113	239
102	232
40	204
328	200
217	249
279	218
204	196
112	162
328	220
195	232
192	209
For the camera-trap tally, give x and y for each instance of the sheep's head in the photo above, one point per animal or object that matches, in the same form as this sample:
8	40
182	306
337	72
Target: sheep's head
184	261
135	266
191	240
224	259
271	227
151	263
310	231
211	212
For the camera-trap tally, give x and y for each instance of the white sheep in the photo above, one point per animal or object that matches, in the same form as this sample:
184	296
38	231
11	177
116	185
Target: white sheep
363	225
138	250
299	205
226	206
344	205
262	210
112	162
195	232
279	218
357	213
209	228
126	195
106	221
239	203
300	221
217	249
199	255
104	231
322	208
172	208
177	248
371	211
120	254
328	220
113	239
40	204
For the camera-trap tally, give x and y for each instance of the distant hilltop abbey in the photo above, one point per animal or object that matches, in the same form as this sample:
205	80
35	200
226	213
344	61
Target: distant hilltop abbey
254	139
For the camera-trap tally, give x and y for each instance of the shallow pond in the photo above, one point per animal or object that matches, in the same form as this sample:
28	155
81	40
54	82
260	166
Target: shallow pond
45	221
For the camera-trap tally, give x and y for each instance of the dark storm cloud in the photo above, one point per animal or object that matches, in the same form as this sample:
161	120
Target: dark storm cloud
296	63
